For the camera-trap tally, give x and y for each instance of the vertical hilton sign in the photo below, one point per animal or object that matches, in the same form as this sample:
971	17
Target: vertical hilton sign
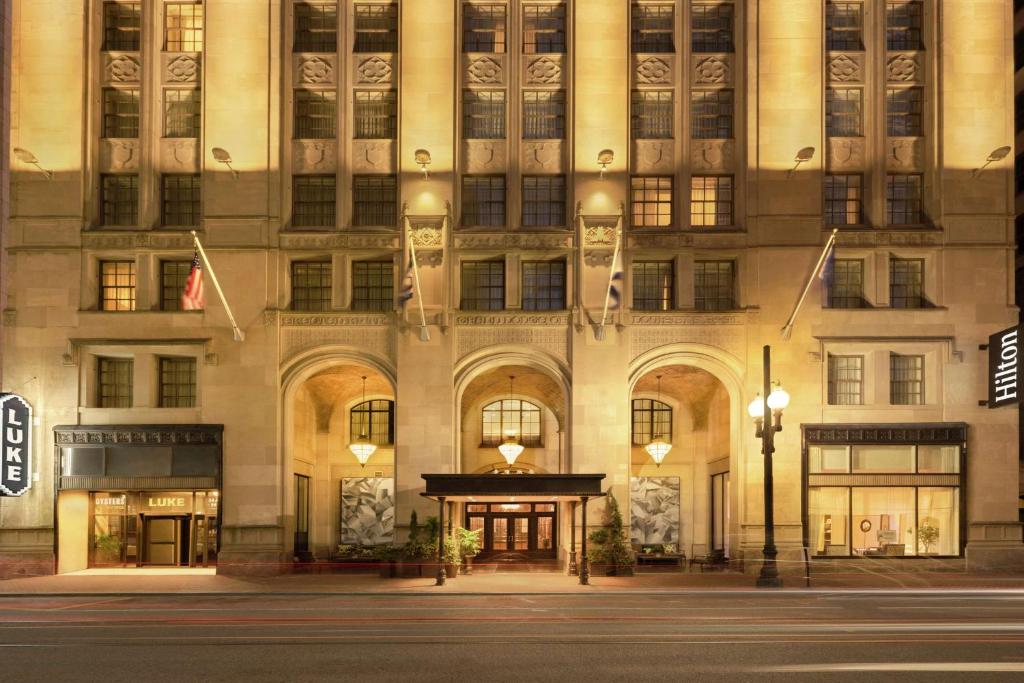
1004	374
15	445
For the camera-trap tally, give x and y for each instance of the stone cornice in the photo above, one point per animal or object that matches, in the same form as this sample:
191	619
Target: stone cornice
139	434
515	240
675	318
521	319
328	319
933	433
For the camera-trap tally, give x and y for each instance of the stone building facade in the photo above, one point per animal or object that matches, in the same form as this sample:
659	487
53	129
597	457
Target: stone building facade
526	151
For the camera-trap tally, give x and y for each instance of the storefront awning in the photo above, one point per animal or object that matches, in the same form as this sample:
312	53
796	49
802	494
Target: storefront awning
505	487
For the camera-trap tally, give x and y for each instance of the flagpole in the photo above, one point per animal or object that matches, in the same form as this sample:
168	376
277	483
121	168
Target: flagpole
424	332
611	275
239	335
787	329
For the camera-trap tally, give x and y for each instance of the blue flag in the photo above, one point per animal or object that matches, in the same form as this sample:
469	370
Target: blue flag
615	291
828	266
407	286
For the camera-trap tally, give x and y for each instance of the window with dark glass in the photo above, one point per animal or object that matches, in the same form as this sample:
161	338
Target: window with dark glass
844	199
543	200
511	417
906	380
843	25
177	382
1018	112
374	201
1018	174
376	28
119	200
650	201
120	113
375	419
711	25
373	285
903	199
183	27
316	27
543	29
122	26
311	285
711	114
714	285
651	114
483	200
313	201
483	28
114	382
182	113
906	283
483	285
179	206
543	285
903	22
117	285
653	285
173	276
543	114
903	107
846	285
711	201
845	380
652	28
316	114
483	114
375	113
843	107
651	419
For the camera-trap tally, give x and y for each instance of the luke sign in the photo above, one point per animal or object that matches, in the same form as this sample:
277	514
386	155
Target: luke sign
15	445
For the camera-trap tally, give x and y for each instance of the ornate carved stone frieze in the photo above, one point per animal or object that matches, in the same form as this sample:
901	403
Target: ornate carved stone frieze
430	258
597	257
314	156
932	433
181	68
139	434
846	68
904	154
484	156
512	240
545	70
845	154
340	319
139	239
179	155
599	231
513	318
119	154
122	68
653	156
726	331
679	240
881	238
484	70
315	70
428	236
374	334
905	68
712	70
375	69
655	70
373	156
338	240
548	332
713	155
542	156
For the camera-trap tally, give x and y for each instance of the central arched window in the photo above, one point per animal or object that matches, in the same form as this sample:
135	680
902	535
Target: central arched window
650	419
511	416
375	419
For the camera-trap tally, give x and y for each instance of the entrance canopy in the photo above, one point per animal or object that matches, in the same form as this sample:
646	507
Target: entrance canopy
504	487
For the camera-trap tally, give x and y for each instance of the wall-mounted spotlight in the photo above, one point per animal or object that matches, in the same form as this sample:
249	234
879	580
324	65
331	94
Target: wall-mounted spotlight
27	157
996	155
804	155
222	156
423	159
604	158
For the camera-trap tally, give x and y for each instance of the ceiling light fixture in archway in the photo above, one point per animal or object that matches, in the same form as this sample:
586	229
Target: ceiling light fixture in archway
362	447
510	447
658	447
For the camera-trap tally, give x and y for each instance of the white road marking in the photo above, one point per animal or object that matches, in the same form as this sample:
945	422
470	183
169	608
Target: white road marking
905	666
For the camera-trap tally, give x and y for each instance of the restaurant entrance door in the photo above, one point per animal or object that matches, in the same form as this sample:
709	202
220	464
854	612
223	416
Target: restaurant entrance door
514	531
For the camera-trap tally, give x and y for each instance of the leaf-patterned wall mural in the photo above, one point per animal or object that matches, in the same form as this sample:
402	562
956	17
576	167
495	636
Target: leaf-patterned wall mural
654	510
367	510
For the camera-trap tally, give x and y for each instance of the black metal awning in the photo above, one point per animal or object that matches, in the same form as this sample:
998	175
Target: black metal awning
503	487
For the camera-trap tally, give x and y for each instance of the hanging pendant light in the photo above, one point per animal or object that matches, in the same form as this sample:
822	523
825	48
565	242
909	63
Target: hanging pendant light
658	447
362	447
510	447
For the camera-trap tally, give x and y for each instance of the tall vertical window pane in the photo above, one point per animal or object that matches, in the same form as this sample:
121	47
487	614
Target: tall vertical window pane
828	510
316	27
373	285
906	283
843	108
845	380
376	28
483	28
651	114
374	420
374	201
844	199
652	28
651	201
544	201
903	112
483	285
544	114
651	419
843	25
122	26
177	382
119	200
120	113
938	520
903	199
511	417
313	201
182	113
543	29
712	27
375	113
483	114
183	27
114	382
173	275
714	285
711	201
179	206
483	201
653	285
316	114
311	285
903	24
117	285
846	286
543	285
711	114
906	380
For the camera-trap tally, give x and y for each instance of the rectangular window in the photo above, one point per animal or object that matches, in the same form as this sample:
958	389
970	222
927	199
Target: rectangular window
906	380
179	206
311	285
903	199
938	459
651	114
373	286
114	382
374	420
711	201
844	199
183	27
845	380
316	27
653	285
376	28
711	114
843	108
903	22
375	113
182	113
122	26
375	201
119	200
906	283
483	28
543	114
483	201
120	113
652	28
543	285
846	286
543	201
903	107
843	25
483	285
651	419
651	201
117	285
316	114
712	27
714	285
173	275
177	382
544	29
313	201
483	114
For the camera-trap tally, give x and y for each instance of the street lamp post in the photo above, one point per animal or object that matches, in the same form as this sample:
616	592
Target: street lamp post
766	409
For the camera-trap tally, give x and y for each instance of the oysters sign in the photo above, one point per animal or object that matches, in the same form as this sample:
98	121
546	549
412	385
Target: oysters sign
15	445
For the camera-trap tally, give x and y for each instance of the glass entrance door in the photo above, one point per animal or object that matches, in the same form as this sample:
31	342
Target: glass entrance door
167	541
514	531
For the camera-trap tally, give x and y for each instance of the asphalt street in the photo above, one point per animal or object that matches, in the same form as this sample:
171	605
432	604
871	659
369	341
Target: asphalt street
726	635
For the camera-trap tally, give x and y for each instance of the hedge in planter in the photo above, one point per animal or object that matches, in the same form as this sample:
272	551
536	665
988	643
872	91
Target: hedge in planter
609	545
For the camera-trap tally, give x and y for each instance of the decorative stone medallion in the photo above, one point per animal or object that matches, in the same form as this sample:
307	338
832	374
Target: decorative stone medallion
544	70
844	69
316	70
712	71
904	68
183	69
374	70
484	70
653	70
123	69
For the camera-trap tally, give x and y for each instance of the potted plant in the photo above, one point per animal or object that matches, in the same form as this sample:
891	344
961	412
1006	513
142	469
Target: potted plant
451	557
469	543
927	536
386	555
108	549
610	547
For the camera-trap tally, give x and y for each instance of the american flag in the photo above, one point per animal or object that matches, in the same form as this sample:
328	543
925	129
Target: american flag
193	298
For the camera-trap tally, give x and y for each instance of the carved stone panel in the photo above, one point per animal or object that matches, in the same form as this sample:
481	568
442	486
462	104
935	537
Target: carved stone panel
299	335
599	235
427	237
314	156
179	155
373	156
544	70
485	156
713	155
314	69
118	155
846	68
655	69
542	157
845	154
484	69
181	67
339	241
726	332
653	156
122	68
375	70
548	333
904	154
506	240
905	68
713	70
